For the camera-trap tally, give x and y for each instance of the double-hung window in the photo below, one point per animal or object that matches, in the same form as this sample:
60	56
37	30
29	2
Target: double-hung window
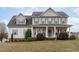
36	20
49	21
42	20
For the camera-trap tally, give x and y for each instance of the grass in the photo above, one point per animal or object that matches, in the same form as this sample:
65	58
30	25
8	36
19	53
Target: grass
41	46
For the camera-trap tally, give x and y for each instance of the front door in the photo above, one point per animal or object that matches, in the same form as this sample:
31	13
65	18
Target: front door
49	32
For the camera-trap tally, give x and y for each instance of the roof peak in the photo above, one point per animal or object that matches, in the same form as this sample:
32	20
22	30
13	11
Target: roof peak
20	14
49	8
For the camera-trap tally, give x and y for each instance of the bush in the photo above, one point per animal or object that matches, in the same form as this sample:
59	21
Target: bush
72	37
40	36
6	35
63	36
27	33
3	35
29	39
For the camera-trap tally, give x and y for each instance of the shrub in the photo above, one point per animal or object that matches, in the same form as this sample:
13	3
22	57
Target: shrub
6	35
40	36
72	37
29	39
3	35
63	36
28	33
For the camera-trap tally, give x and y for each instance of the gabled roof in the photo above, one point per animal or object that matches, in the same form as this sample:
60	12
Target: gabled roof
36	13
40	14
12	22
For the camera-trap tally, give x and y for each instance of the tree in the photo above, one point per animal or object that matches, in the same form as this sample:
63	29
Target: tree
3	31
28	33
63	36
3	27
40	36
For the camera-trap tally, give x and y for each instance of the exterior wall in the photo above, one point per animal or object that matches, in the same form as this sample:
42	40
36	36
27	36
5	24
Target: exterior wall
20	32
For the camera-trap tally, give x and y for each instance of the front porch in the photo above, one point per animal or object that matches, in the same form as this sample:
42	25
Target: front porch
48	31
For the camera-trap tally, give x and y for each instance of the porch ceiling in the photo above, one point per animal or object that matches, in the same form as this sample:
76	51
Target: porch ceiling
51	25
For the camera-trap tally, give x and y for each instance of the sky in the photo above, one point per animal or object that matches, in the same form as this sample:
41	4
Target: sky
6	14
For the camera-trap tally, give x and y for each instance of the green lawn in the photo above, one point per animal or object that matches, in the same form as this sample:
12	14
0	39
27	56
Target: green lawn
39	46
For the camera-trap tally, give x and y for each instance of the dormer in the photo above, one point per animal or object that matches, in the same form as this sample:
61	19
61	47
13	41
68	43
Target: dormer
20	19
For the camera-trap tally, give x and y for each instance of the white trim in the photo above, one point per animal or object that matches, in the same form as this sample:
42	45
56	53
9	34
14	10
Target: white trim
55	31
32	31
46	31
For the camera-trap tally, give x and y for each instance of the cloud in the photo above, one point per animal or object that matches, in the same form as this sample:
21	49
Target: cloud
4	21
73	20
57	8
76	11
75	24
29	10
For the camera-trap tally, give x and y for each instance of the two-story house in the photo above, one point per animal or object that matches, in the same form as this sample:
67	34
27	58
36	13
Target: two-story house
48	23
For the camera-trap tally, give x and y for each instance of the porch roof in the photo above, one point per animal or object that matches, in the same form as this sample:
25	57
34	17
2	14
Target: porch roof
51	25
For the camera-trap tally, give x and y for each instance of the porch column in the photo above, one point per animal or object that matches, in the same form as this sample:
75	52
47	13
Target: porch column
32	31
47	31
69	32
36	32
54	31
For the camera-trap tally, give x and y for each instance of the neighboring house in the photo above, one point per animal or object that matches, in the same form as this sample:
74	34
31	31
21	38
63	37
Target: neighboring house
48	23
77	35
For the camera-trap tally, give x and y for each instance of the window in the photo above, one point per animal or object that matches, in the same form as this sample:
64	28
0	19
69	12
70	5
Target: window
63	20
49	21
21	21
60	20
27	21
15	32
52	20
42	20
56	20
36	20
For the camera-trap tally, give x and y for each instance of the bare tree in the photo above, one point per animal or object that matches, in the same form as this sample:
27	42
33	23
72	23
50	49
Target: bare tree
3	27
3	30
